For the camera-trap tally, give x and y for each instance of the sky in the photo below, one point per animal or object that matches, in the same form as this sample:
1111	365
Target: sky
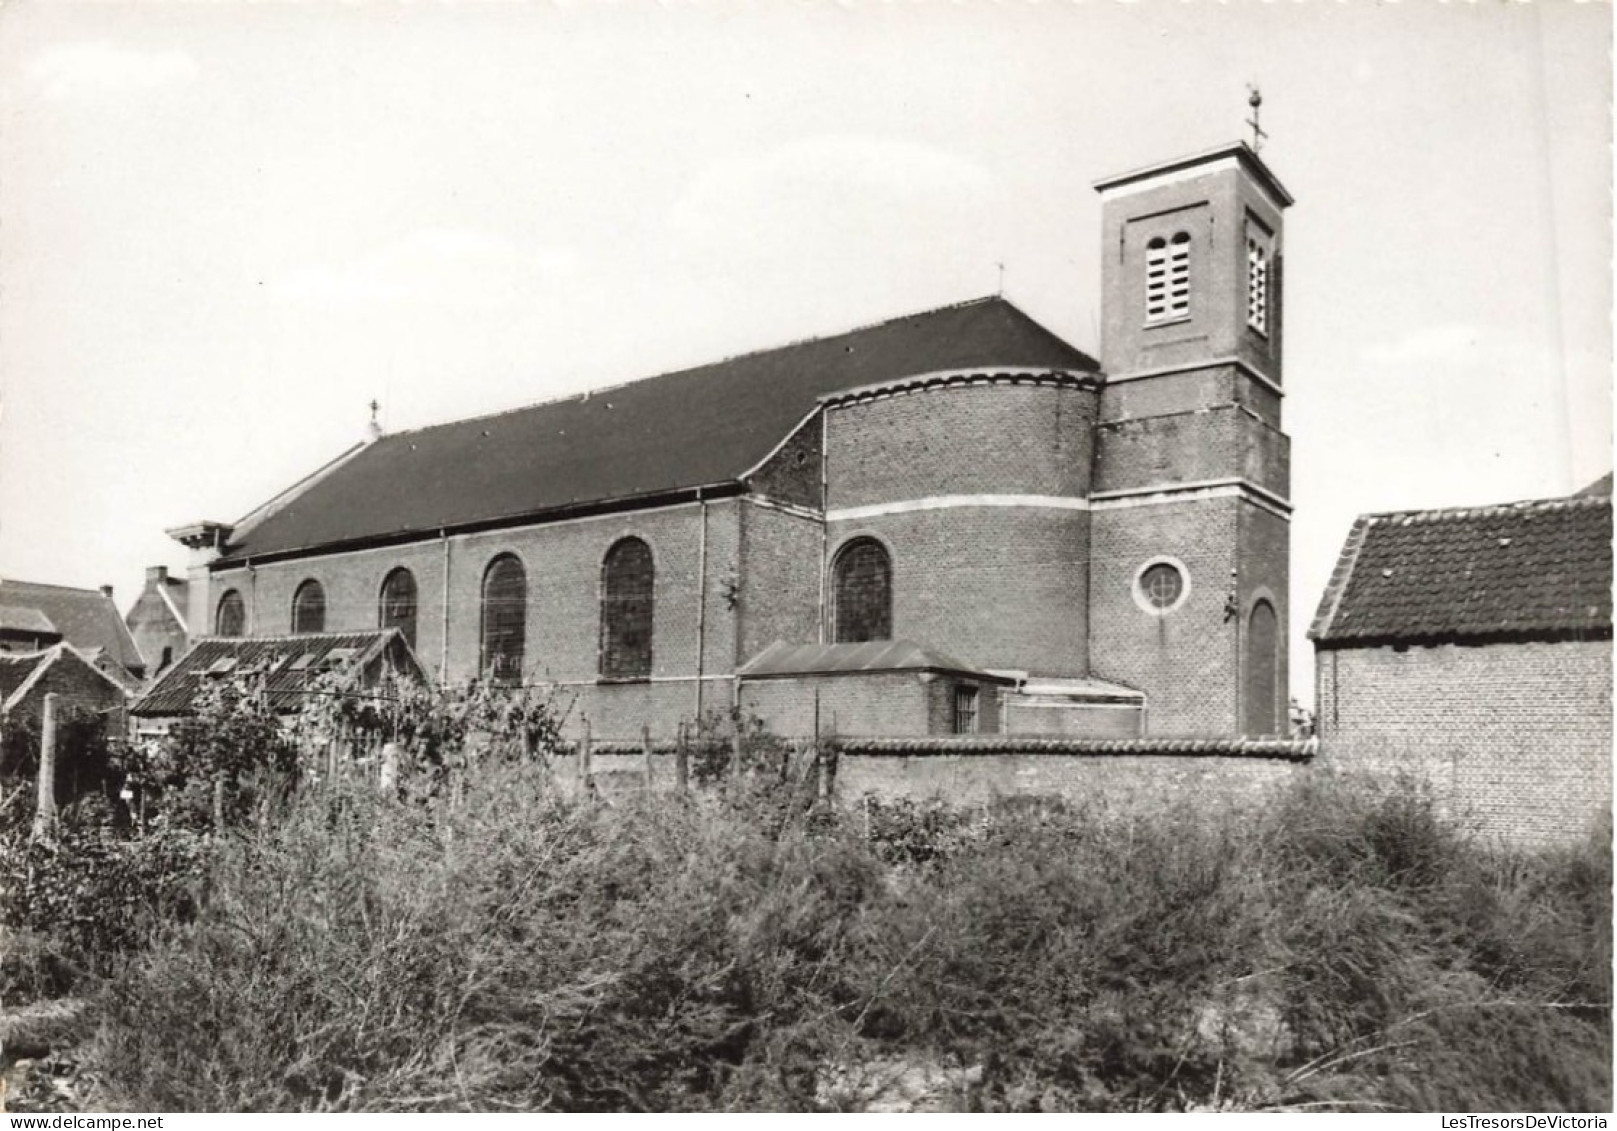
226	228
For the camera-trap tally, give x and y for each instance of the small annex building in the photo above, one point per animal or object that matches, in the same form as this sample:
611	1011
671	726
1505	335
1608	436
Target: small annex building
1075	546
89	702
288	669
1471	648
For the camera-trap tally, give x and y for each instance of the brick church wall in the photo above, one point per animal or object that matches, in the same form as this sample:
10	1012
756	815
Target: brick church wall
779	579
1515	737
960	440
1185	660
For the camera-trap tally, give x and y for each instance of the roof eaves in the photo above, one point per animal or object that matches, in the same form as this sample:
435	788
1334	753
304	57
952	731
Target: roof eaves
997	375
588	508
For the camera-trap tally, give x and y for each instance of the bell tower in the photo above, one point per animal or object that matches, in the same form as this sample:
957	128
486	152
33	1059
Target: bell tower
1191	507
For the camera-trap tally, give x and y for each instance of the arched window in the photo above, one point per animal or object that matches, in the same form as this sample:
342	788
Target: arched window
398	603
231	617
862	592
1262	690
627	606
1167	278
505	619
1257	285
309	608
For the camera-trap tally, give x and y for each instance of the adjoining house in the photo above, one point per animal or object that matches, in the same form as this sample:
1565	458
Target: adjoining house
35	616
1471	648
88	699
288	669
157	620
1103	547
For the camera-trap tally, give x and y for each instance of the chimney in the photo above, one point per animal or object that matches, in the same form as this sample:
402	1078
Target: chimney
106	591
156	575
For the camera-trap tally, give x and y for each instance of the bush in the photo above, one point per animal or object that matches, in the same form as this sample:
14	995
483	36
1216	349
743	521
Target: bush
528	949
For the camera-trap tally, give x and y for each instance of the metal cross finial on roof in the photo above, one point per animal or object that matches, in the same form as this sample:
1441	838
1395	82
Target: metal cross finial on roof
1254	99
1001	291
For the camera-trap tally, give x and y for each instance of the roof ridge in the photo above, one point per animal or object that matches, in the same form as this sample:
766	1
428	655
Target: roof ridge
285	636
89	591
1489	510
726	359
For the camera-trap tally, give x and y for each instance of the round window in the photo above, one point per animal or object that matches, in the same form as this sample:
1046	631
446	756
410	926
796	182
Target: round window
1161	586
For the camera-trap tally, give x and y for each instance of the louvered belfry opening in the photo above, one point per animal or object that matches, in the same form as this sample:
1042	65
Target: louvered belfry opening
863	593
398	603
1257	286
505	619
628	607
231	617
1167	278
309	608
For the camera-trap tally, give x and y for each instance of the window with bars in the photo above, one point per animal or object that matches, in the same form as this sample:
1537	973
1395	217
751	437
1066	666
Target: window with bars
1257	285
505	619
627	607
965	710
231	617
398	604
1167	278
309	608
862	593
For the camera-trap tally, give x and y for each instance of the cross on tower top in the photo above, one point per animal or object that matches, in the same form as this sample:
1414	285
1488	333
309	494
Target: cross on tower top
1254	99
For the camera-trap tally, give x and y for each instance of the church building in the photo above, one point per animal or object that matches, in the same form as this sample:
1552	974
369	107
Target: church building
951	522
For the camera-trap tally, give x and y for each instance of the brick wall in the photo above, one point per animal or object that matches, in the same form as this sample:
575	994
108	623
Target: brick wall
1134	776
779	594
1190	447
151	622
960	440
1033	717
1517	737
1000	588
880	704
792	475
1264	561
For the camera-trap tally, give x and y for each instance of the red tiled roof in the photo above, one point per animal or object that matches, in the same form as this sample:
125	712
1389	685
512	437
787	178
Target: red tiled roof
1540	569
287	664
695	428
86	618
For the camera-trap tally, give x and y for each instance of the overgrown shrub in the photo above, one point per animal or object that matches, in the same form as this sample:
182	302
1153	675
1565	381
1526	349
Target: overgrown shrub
527	947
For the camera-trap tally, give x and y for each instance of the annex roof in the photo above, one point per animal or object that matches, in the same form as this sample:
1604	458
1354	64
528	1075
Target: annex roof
699	427
781	660
86	618
1532	570
288	665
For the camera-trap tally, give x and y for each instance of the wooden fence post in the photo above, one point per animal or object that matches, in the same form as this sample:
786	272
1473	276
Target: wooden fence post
645	748
682	763
584	758
735	751
45	812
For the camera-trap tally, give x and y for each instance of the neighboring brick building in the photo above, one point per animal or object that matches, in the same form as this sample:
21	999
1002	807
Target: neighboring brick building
34	616
89	702
156	620
1095	552
1471	648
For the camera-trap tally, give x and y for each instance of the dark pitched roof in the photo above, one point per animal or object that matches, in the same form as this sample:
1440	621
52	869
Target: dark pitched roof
287	664
782	660
695	428
1533	570
26	621
1600	488
86	618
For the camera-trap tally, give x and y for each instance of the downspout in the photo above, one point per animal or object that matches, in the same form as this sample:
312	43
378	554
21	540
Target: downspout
701	604
443	640
825	536
252	597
